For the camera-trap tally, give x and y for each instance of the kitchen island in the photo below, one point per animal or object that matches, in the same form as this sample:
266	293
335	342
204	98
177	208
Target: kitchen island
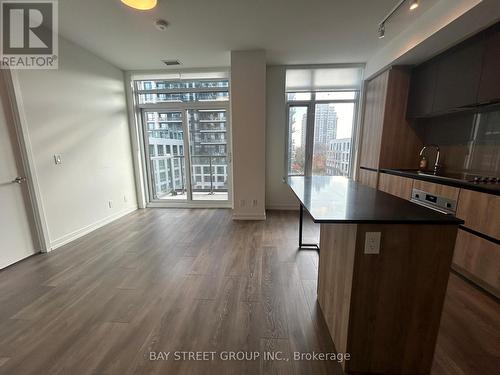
383	270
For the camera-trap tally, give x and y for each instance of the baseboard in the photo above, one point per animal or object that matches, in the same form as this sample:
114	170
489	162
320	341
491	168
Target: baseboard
89	228
283	207
249	216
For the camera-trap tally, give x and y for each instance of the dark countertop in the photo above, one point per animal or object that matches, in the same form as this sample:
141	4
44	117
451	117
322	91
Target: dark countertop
450	180
342	200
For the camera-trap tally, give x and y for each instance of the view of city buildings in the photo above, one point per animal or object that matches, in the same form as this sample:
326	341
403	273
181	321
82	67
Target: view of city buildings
330	156
338	157
166	152
207	141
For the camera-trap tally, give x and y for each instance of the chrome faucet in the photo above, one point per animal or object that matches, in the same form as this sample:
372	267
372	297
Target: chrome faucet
436	164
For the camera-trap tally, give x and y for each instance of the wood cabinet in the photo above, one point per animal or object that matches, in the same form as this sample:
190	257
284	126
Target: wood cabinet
395	185
423	86
479	260
388	139
462	77
375	99
367	177
480	211
458	75
489	86
449	192
369	300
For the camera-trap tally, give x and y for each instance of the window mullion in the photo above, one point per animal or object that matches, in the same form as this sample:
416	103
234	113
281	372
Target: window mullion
309	139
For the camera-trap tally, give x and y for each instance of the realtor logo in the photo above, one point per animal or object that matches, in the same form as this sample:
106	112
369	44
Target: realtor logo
29	37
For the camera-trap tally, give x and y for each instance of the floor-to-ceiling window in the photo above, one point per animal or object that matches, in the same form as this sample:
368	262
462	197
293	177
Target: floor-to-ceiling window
185	124
322	105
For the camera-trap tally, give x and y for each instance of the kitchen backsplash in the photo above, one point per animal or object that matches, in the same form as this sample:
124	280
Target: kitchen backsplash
469	142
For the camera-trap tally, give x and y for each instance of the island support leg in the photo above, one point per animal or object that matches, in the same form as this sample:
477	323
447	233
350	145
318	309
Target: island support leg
304	246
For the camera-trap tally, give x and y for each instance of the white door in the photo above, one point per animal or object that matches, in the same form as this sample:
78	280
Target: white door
16	236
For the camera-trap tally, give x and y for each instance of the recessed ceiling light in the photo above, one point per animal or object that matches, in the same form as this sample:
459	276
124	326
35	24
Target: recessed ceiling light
140	4
413	4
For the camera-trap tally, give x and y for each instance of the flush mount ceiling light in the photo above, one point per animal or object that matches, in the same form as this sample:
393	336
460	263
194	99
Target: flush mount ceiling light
140	4
413	4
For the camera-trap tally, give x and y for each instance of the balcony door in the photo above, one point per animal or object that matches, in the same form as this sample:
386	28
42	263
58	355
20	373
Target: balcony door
187	156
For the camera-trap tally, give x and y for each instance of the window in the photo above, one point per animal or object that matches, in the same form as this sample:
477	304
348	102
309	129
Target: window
186	109
176	91
322	105
160	150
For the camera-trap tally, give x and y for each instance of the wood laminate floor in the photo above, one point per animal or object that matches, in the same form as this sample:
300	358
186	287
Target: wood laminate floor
164	280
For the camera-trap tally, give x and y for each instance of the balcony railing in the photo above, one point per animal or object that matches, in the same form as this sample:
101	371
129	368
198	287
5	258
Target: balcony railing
174	168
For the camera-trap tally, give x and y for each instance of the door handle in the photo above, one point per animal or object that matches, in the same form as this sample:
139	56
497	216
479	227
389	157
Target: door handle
19	180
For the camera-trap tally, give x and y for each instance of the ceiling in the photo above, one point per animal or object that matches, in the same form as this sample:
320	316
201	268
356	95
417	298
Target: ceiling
202	32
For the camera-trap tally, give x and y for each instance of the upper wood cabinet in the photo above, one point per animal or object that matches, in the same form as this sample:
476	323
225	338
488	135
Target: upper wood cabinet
388	139
423	86
458	75
375	98
462	77
489	86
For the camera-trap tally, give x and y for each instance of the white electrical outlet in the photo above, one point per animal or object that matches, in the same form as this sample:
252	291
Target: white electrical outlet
57	159
372	242
110	204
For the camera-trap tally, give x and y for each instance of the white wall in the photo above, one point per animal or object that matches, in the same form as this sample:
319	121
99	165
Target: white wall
248	126
79	111
278	194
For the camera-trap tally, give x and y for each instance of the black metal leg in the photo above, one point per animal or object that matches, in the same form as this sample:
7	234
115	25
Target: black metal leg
304	246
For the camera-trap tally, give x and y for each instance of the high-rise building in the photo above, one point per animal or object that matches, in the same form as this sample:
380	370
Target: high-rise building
325	124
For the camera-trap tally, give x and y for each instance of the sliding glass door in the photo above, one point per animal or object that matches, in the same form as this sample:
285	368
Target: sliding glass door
187	154
208	148
165	159
186	140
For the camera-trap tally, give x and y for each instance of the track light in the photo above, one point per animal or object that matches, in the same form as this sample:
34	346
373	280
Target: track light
381	25
381	30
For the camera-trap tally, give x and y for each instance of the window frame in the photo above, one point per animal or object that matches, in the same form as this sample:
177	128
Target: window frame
311	115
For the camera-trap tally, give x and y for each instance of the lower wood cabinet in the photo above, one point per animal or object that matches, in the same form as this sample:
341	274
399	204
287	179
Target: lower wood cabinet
480	211
395	185
368	177
479	260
